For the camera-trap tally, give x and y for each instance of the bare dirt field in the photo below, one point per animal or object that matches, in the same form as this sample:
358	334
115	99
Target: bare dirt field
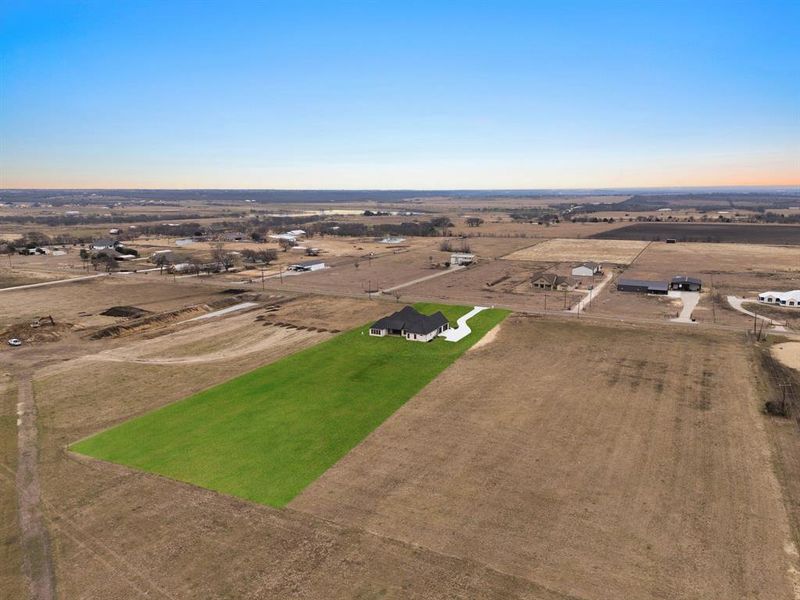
80	301
112	530
503	226
379	273
503	283
706	232
11	581
788	353
736	258
567	250
644	473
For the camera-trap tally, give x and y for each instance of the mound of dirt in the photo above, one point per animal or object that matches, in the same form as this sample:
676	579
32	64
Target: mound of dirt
43	333
130	312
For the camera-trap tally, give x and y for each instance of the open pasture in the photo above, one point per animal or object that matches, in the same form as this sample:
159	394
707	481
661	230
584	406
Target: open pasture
265	435
706	232
597	462
576	250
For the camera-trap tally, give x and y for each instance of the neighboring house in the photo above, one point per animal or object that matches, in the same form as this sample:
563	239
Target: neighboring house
461	258
410	324
685	284
791	298
296	233
641	286
105	244
233	236
114	231
553	282
587	269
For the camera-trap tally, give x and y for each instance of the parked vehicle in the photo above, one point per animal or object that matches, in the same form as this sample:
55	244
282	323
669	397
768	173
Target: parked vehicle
14	342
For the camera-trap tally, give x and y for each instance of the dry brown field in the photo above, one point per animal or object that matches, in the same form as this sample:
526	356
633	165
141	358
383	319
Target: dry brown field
737	258
502	283
11	581
268	553
597	462
576	250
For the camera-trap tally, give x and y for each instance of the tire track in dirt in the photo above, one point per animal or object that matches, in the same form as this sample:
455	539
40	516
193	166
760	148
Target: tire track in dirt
37	562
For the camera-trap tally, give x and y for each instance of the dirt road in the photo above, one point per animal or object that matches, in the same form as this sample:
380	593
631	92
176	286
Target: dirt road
35	542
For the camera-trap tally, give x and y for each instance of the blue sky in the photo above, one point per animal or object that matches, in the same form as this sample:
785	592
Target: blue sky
404	94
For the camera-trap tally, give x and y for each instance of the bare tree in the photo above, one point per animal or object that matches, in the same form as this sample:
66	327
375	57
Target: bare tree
474	221
223	258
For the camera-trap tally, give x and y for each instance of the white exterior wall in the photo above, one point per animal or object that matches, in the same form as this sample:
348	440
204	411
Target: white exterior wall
418	337
582	272
381	332
788	299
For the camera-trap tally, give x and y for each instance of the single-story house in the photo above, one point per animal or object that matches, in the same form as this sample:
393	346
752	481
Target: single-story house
411	324
551	281
461	258
790	298
685	284
587	269
642	286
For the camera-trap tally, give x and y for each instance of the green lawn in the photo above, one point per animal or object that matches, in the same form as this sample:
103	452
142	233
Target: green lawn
266	435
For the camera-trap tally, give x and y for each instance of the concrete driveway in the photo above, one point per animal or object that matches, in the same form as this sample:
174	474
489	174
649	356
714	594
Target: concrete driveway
689	300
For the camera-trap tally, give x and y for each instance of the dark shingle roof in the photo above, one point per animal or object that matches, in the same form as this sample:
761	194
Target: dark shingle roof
685	279
410	320
650	285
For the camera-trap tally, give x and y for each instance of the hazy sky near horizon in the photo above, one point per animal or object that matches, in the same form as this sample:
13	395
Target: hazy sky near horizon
406	94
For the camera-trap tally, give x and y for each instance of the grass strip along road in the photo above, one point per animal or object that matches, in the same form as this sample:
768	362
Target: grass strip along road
267	434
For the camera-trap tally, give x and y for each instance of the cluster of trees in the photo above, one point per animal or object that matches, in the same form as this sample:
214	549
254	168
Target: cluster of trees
543	216
449	246
438	226
264	257
88	219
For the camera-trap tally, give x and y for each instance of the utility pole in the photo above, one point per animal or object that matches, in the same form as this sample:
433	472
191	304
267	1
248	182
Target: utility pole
545	302
262	278
281	273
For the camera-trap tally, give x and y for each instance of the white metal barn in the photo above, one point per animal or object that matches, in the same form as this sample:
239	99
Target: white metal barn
587	269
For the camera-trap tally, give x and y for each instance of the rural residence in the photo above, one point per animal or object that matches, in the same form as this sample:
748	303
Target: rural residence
791	298
410	324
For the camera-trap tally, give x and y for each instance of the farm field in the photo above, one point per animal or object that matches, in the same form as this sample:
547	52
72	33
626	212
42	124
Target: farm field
11	580
703	232
642	473
503	283
267	434
568	250
722	257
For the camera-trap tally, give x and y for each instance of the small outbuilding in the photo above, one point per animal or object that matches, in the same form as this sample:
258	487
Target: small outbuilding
685	284
587	269
642	286
410	324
